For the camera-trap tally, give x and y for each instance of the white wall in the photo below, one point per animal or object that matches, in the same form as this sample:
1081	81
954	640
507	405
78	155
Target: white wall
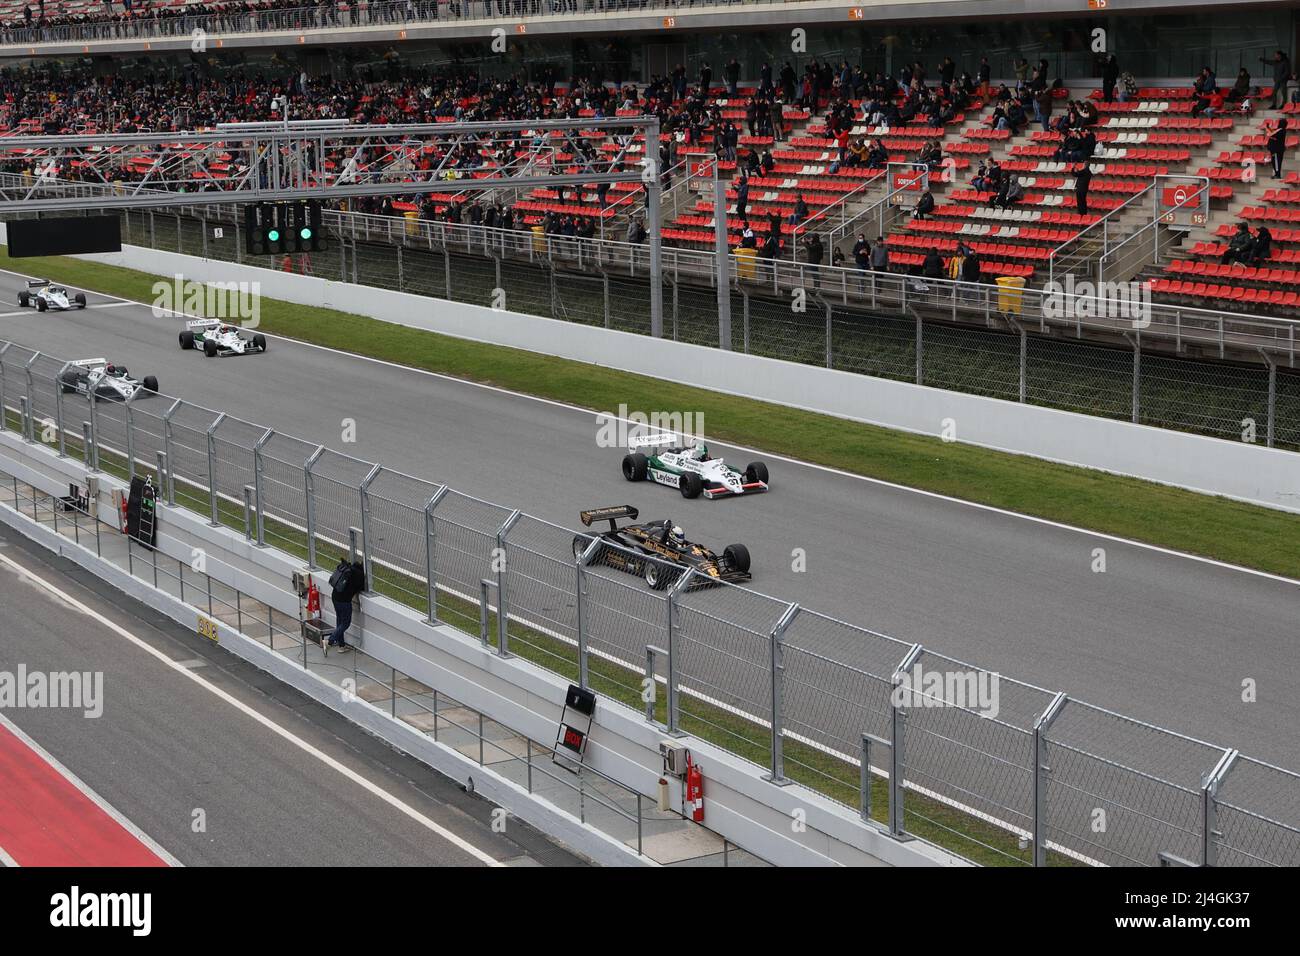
1250	473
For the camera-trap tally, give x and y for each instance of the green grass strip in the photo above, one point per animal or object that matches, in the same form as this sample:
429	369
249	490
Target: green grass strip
1213	527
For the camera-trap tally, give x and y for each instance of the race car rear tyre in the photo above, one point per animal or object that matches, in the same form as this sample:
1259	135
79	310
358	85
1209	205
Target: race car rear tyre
67	385
41	305
635	466
580	545
692	485
736	556
209	348
150	384
660	577
24	299
187	339
259	342
80	299
756	471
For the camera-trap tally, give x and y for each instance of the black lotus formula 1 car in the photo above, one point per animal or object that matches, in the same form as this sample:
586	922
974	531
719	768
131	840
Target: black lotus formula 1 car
639	544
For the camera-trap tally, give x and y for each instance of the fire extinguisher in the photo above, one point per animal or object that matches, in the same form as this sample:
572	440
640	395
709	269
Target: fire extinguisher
694	790
313	599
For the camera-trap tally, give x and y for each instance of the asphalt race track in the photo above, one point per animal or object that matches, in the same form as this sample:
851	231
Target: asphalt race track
165	747
1160	637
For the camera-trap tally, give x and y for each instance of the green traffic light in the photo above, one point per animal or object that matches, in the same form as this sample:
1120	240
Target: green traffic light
305	233
273	235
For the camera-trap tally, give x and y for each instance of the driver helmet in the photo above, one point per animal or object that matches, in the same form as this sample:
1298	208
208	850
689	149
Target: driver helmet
700	451
110	369
677	536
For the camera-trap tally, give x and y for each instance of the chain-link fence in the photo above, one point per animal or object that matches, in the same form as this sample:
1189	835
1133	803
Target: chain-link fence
1229	376
921	744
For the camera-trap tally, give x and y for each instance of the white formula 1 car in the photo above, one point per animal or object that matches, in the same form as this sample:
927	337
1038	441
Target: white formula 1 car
44	297
217	338
105	381
691	470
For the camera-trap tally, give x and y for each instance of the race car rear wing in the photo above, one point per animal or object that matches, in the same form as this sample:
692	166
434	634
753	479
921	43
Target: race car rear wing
37	283
651	441
202	324
611	514
90	363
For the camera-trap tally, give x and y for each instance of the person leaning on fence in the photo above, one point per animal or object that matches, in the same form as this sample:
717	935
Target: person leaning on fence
347	581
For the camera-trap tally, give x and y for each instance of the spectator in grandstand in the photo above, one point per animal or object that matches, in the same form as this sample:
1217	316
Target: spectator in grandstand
984	76
880	256
1208	105
733	77
1262	248
815	253
1043	104
1082	180
742	195
771	247
1277	147
1281	77
877	155
1010	193
932	266
635	232
1240	89
1240	246
1128	87
971	267
1109	75
924	205
800	211
748	240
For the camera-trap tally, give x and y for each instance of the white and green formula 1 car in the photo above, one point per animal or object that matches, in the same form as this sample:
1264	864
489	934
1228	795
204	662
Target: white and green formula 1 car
220	338
690	469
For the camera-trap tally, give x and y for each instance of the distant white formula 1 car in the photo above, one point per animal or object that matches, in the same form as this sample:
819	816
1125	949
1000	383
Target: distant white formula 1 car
218	338
44	297
691	470
105	381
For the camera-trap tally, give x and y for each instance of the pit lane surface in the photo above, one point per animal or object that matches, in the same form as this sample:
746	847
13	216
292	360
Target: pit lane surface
1158	636
166	748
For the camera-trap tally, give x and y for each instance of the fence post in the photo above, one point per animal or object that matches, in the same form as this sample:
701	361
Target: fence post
431	554
401	274
93	451
4	406
682	584
28	431
366	556
249	491
1272	395
864	777
309	490
1136	342
258	468
503	612
212	466
581	574
167	451
920	347
651	681
58	409
1210	807
897	734
1041	725
130	436
777	674
830	362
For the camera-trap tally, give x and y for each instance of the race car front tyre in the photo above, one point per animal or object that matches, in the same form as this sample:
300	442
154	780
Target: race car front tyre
756	471
692	485
187	339
24	299
736	556
259	342
209	348
41	305
150	384
80	299
634	467
659	576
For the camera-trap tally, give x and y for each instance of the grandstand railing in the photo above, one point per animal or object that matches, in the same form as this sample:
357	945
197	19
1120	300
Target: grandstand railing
989	766
1077	256
148	24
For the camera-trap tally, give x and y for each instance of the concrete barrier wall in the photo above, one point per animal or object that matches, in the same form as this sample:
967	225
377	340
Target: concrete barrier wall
741	806
1245	472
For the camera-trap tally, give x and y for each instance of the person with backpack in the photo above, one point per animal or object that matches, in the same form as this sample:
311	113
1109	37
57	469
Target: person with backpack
347	581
